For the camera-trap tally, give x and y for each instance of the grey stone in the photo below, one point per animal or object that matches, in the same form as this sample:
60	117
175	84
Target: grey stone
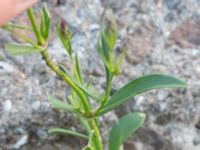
22	141
36	105
164	119
42	134
172	4
162	94
6	68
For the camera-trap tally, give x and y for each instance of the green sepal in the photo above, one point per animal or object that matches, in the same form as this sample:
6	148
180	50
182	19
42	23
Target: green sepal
65	36
74	101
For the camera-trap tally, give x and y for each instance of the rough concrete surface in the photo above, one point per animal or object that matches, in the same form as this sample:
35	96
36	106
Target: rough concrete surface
161	36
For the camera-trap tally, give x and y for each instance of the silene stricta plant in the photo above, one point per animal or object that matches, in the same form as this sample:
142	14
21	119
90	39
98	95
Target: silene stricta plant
81	97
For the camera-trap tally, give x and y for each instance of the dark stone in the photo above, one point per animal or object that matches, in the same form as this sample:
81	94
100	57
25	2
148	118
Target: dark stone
197	125
164	119
172	4
61	2
153	140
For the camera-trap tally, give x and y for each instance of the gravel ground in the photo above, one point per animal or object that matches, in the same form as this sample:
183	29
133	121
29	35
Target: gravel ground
161	36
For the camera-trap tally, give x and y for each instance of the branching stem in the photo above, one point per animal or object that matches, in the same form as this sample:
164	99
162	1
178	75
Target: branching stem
62	75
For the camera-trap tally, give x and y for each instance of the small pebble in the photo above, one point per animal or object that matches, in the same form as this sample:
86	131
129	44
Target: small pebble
42	134
22	141
94	27
36	105
7	106
162	95
6	68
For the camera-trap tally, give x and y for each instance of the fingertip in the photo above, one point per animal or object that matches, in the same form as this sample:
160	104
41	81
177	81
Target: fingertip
23	5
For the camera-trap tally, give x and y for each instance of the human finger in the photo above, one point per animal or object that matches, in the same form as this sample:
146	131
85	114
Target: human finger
22	5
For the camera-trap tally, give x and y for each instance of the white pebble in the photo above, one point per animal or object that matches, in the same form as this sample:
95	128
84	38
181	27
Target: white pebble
22	141
6	68
7	106
36	105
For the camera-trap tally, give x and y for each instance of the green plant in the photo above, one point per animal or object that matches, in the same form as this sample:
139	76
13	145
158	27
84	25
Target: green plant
81	94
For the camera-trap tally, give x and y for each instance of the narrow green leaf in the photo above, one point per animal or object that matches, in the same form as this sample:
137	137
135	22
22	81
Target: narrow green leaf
89	83
93	142
67	73
17	49
140	85
97	95
108	76
101	54
45	22
84	89
10	26
66	132
121	57
77	99
110	38
60	105
105	47
117	65
42	23
78	70
124	128
74	102
107	40
91	89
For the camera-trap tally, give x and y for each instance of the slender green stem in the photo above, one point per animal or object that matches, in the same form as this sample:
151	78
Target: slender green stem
61	74
85	124
108	90
94	126
74	67
32	18
107	94
75	73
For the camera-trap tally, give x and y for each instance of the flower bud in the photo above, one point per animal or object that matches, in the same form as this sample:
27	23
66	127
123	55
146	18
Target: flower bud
110	29
65	36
